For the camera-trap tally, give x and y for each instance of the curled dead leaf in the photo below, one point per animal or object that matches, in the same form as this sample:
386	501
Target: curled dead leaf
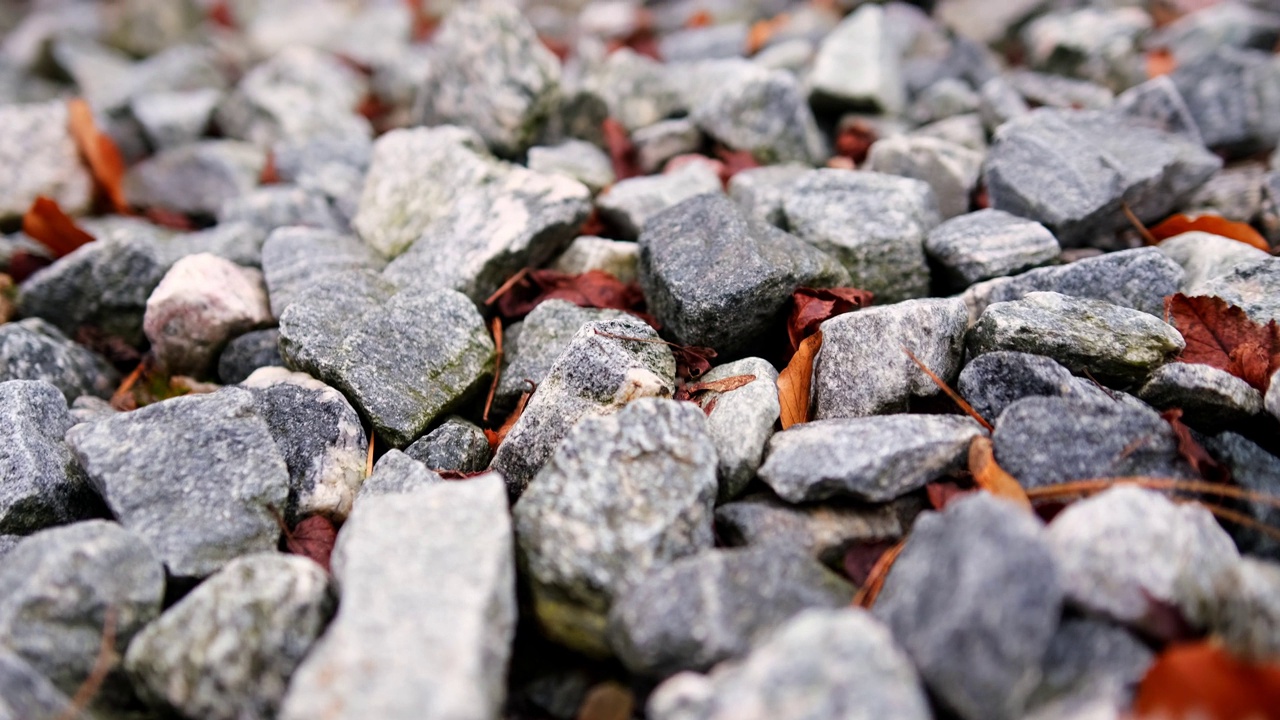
99	152
867	594
795	380
607	701
988	475
1212	224
48	225
495	437
1203	680
810	307
1223	336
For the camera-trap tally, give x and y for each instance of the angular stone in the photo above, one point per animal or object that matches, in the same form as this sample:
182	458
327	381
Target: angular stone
277	206
311	337
862	369
1253	286
544	335
719	41
197	178
964	130
1115	344
226	650
1255	470
588	252
40	158
952	171
637	89
201	303
607	365
576	159
875	458
1045	441
630	204
1231	95
32	349
1098	44
522	219
657	143
874	224
1205	256
1106	163
740	421
823	532
1140	279
456	445
941	99
624	495
241	243
1158	103
1089	663
701	610
1209	397
979	652
762	191
764	113
320	436
193	476
1247	615
248	352
448	549
1235	193
861	40
1126	551
396	472
295	259
987	244
984	23
993	381
717	278
415	177
57	588
26	693
999	102
172	119
1057	91
819	665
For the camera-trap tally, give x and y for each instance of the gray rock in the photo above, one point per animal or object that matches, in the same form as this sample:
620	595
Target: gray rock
964	130
1116	344
1235	193
175	118
722	40
1205	256
32	349
987	244
1231	95
57	588
43	483
992	381
396	472
241	243
201	303
951	170
490	72
979	652
657	143
40	158
874	224
276	206
320	436
248	352
764	113
1089	662
630	204
823	664
861	40
717	278
944	98
544	335
1111	161
577	159
296	258
740	421
596	375
1246	615
979	21
823	531
297	158
1209	397
26	693
1272	398
999	102
1158	104
196	178
1098	44
193	476
448	548
299	93
1045	441
1251	286
456	445
415	177
1255	470
875	458
588	252
1057	91
522	219
638	91
402	358
762	191
578	115
624	495
862	368
701	610
227	650
1127	550
1138	279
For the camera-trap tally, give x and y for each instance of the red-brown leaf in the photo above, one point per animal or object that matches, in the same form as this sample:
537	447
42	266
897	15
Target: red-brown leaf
735	161
48	225
593	289
854	140
861	557
99	152
943	492
495	437
1193	452
1213	224
813	306
23	265
1224	337
314	537
621	151
692	362
1203	680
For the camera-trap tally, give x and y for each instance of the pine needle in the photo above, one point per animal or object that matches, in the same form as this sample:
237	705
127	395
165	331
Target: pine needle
1138	225
506	286
944	387
495	326
101	667
870	590
368	460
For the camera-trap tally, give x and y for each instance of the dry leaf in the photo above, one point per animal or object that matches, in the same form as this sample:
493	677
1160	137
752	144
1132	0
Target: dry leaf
867	594
1193	452
721	386
495	437
594	289
762	31
854	141
100	152
861	557
48	225
1212	224
794	382
1202	680
734	162
23	265
313	537
1160	62
495	327
607	701
989	476
1224	337
810	307
7	308
943	492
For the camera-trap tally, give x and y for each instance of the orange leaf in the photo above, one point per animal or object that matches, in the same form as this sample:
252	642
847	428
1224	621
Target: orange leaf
1224	337
699	19
99	151
1202	680
989	476
607	701
794	382
1213	224
47	224
1160	62
868	593
762	31
621	150
495	437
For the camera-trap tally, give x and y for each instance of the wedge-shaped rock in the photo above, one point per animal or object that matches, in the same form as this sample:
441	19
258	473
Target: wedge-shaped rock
32	349
43	484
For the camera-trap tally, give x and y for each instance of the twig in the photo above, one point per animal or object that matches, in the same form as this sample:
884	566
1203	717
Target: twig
505	287
870	590
101	666
495	327
955	397
1100	386
1138	225
368	460
1079	487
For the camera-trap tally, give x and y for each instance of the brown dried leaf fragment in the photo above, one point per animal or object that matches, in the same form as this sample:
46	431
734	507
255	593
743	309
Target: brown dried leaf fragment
1223	336
988	475
795	380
